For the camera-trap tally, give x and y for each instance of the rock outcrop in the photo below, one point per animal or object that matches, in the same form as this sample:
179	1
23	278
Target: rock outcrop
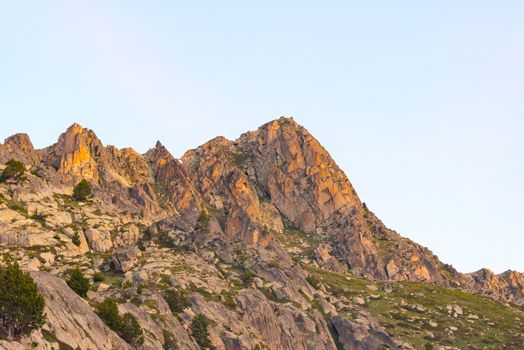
19	147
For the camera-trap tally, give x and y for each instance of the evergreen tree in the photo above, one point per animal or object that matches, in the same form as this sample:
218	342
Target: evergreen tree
14	170
199	331
126	326
130	330
21	304
107	310
78	282
82	191
177	300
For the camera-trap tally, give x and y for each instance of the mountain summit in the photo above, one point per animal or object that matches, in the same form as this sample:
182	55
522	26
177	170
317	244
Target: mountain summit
265	236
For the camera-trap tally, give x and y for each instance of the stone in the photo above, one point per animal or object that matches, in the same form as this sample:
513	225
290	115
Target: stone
100	241
124	259
48	257
359	300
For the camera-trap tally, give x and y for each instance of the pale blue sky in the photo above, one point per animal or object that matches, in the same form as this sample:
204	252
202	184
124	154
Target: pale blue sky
420	102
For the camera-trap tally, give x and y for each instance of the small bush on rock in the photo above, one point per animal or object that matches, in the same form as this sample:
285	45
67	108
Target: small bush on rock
77	282
177	300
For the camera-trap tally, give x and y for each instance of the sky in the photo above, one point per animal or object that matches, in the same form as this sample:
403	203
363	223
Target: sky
421	103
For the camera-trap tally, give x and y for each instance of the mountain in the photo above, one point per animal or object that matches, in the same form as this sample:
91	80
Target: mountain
264	235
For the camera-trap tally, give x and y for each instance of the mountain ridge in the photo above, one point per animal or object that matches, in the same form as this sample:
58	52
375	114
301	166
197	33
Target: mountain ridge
82	148
273	202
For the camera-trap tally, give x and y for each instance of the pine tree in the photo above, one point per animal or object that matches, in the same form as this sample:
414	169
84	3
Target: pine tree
14	170
199	331
177	300
130	330
21	304
82	191
107	310
126	326
78	282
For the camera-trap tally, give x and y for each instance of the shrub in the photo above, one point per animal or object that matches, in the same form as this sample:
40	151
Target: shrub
203	220
177	300
78	282
126	326
98	277
199	331
315	282
14	170
21	305
82	191
169	340
247	277
204	216
76	239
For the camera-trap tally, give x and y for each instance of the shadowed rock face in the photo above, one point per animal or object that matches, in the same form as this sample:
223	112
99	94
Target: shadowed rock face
174	184
224	211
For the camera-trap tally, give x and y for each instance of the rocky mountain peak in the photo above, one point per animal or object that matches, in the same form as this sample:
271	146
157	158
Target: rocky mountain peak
20	147
76	153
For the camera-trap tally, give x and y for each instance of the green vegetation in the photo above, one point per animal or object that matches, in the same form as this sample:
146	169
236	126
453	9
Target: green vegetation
21	305
199	331
203	220
126	326
130	330
247	276
14	171
82	192
177	300
169	340
98	277
77	282
497	327
108	312
39	217
298	243
76	239
239	159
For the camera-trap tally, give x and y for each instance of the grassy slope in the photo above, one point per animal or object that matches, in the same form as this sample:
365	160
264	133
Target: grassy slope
498	326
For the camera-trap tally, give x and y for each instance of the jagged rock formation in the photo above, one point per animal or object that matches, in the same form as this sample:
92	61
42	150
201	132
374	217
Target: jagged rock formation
264	235
19	147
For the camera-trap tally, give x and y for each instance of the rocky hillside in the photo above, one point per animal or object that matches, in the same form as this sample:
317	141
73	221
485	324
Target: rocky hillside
264	235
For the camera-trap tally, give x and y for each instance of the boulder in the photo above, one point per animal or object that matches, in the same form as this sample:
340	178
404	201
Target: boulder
124	259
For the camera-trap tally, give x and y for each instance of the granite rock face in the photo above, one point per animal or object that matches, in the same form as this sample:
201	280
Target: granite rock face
241	230
19	147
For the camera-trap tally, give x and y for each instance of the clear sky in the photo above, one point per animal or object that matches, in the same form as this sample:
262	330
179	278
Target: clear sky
420	102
